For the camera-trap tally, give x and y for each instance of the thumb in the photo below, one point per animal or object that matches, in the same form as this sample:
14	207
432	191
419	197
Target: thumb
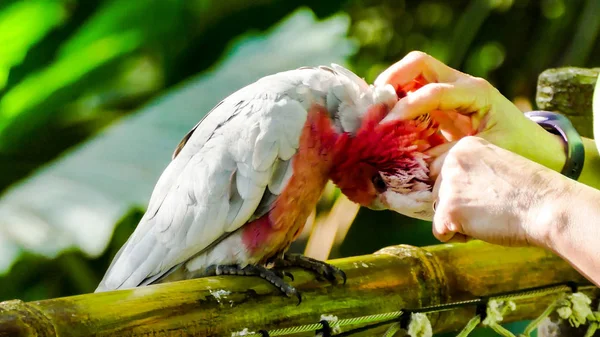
438	153
441	225
445	231
441	232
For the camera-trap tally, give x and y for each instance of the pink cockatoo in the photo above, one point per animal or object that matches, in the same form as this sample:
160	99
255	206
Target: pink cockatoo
243	181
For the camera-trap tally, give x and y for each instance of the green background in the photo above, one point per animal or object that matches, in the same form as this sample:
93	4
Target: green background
69	69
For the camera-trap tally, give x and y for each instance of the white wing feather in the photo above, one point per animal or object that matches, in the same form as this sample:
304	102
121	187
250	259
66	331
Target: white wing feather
230	168
214	184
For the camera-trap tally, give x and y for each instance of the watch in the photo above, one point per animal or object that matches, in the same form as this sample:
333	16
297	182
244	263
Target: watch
560	125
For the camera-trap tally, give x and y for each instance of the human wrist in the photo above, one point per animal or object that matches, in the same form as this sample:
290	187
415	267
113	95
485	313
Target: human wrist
573	233
548	216
541	146
573	145
551	151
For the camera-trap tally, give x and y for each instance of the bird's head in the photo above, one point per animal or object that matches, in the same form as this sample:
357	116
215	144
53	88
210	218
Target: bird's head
383	165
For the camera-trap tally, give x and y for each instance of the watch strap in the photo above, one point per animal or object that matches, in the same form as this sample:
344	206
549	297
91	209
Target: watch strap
560	125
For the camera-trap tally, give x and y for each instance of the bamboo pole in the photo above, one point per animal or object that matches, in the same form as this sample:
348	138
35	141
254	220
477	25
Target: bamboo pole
569	90
392	279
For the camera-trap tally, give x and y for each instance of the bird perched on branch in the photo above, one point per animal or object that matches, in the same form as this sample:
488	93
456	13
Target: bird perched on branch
243	181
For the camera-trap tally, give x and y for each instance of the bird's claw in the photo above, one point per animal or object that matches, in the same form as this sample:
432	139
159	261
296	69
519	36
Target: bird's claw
283	274
275	277
322	269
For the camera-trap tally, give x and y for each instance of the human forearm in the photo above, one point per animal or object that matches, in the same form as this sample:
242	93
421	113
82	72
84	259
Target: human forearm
548	149
572	230
590	175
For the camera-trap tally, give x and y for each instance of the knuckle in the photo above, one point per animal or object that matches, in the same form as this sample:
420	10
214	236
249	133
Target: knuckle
453	173
447	191
450	163
438	90
474	140
457	150
479	82
449	169
420	59
417	55
438	234
443	218
469	144
449	210
452	210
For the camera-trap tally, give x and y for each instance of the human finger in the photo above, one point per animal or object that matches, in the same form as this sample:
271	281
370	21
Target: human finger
435	190
459	238
462	97
452	124
439	150
435	167
440	230
438	153
441	226
413	65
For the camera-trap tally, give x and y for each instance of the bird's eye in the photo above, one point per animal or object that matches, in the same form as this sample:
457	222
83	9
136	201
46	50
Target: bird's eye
378	183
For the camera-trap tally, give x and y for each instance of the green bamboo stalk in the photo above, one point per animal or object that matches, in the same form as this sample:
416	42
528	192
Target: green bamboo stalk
392	279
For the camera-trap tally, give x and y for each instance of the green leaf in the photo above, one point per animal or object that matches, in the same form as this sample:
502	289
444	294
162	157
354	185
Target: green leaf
150	20
115	31
76	200
65	72
22	24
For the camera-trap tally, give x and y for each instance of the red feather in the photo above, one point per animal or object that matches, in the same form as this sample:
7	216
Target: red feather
380	147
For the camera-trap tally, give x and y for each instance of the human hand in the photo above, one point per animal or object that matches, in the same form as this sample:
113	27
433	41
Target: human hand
488	193
464	105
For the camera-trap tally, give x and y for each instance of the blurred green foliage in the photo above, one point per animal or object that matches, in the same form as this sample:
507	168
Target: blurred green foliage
69	68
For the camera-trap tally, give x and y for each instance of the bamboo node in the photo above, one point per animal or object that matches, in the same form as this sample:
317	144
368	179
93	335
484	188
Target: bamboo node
18	318
430	273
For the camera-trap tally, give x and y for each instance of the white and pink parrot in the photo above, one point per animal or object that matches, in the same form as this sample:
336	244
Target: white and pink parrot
243	181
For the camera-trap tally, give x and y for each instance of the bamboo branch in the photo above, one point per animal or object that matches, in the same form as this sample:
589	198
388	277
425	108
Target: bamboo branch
392	279
569	90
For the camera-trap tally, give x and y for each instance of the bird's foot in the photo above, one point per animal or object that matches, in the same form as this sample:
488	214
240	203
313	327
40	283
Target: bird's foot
275	277
322	269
